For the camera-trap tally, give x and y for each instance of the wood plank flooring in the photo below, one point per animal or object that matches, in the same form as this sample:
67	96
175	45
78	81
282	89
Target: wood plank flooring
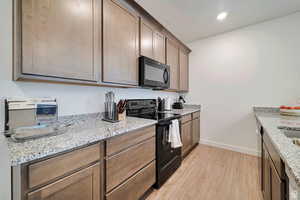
210	173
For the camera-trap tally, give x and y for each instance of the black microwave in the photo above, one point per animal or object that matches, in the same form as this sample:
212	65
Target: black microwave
153	74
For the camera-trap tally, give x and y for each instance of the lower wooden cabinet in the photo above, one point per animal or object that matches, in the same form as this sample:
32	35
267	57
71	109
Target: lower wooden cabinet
272	183
186	136
82	185
190	132
130	164
136	186
266	175
196	131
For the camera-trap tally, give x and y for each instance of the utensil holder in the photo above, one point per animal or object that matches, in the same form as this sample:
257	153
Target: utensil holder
122	116
110	113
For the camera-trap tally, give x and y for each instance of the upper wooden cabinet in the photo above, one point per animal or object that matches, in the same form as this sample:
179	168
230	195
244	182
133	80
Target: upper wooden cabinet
59	38
184	70
93	42
152	42
120	44
173	62
159	47
146	41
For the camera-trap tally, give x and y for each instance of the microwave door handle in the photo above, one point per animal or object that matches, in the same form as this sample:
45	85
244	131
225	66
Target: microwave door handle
166	76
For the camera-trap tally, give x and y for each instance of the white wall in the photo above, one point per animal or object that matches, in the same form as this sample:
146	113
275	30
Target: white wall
229	73
72	99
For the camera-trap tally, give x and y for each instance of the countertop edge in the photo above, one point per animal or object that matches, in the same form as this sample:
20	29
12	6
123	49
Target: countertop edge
26	159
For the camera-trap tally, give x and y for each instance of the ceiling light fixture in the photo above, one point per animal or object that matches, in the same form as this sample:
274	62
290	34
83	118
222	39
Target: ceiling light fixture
222	16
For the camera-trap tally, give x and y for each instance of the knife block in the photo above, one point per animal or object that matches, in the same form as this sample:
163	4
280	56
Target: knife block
122	116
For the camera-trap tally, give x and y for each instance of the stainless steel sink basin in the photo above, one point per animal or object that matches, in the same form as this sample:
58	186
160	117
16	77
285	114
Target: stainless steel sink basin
293	133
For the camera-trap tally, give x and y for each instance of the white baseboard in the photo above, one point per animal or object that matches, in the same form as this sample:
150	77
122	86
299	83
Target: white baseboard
230	147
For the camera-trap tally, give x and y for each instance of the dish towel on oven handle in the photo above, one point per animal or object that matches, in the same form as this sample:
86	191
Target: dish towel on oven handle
174	134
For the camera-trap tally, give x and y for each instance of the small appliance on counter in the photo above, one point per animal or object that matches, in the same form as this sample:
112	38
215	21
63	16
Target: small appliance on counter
110	106
179	104
27	118
168	103
161	104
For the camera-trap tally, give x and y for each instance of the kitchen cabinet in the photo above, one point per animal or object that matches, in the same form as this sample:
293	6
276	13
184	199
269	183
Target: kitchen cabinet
130	164
273	185
120	44
187	138
147	40
266	175
84	184
196	131
184	70
60	39
135	187
152	42
173	62
73	175
159	47
91	42
190	132
126	163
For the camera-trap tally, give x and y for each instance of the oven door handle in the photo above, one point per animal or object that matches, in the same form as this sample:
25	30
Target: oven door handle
165	123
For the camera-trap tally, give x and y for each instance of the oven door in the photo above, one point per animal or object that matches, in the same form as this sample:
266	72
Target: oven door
165	153
154	74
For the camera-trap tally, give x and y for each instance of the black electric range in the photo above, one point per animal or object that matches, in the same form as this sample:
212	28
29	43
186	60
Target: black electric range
167	159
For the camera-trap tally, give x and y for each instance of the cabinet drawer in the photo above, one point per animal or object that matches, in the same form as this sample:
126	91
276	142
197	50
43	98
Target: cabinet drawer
123	165
196	115
274	155
122	142
45	171
186	118
136	186
84	184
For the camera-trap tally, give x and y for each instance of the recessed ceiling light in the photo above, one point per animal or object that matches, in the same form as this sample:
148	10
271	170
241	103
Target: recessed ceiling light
222	16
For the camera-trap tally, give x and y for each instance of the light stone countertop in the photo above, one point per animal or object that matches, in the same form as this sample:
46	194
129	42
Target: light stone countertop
187	109
86	129
270	119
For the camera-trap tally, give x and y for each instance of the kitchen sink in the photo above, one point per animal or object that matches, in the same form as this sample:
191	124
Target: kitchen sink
292	133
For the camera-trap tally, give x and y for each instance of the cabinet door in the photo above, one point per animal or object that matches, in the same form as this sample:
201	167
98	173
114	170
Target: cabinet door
147	41
84	184
120	44
277	185
196	131
186	136
159	47
173	62
266	175
184	71
58	38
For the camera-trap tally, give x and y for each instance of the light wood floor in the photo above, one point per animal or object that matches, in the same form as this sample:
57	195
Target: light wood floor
210	173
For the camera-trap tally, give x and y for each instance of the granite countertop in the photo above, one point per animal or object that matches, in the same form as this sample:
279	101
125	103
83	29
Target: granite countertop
188	109
270	119
85	129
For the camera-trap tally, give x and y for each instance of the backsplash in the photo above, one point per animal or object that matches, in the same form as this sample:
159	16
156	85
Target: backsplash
74	99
